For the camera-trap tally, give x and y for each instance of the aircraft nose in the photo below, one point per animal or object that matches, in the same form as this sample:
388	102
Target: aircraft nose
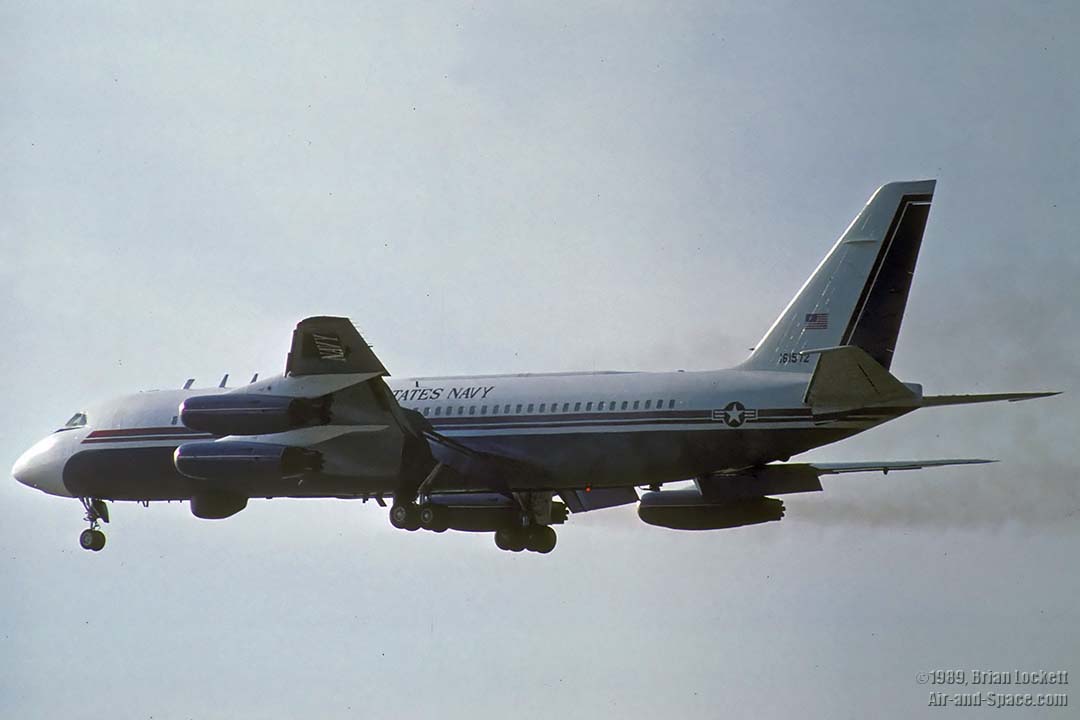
41	467
19	470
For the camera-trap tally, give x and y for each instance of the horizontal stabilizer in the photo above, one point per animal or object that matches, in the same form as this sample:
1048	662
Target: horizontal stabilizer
942	400
846	378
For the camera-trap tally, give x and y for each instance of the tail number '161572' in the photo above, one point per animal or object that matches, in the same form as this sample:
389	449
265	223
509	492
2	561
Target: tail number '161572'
793	357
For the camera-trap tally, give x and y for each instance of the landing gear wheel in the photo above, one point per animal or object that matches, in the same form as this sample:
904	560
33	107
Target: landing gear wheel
405	517
92	540
512	539
518	540
96	510
433	517
542	539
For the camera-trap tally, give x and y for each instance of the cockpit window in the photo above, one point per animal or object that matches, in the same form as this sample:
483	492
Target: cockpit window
77	420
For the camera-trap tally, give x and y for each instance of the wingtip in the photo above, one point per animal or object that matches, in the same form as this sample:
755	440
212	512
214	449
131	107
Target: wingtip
1037	395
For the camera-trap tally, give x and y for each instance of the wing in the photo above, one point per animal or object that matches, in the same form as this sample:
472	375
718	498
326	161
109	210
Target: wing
342	406
584	500
751	483
787	478
886	466
727	500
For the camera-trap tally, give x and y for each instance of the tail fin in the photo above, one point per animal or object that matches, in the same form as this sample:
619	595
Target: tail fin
857	295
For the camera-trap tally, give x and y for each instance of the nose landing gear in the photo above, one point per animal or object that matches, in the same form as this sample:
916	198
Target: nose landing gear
92	538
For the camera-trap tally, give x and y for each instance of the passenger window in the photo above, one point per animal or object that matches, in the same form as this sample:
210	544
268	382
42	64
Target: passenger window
506	410
670	404
530	407
472	409
483	409
541	407
519	408
648	404
174	419
659	404
438	410
588	406
636	403
577	406
611	405
461	410
624	404
494	409
566	407
427	410
600	406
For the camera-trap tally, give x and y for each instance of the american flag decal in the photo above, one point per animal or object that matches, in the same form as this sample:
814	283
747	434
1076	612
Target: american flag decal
817	321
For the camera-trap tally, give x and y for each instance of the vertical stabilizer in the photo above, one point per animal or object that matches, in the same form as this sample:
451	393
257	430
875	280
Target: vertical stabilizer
857	295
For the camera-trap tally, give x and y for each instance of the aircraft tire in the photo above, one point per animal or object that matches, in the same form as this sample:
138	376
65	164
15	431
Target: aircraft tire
433	517
542	539
405	517
519	540
86	539
92	540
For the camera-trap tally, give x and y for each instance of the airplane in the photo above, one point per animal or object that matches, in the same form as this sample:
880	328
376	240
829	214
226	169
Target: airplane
515	455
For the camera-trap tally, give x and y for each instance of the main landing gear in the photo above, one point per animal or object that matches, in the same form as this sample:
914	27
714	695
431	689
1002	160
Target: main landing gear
405	517
92	538
414	517
523	522
534	538
513	537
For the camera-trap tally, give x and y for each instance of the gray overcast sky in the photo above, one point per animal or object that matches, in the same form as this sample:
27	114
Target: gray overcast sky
530	188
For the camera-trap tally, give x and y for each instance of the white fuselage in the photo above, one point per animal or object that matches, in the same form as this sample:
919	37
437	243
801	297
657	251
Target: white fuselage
582	429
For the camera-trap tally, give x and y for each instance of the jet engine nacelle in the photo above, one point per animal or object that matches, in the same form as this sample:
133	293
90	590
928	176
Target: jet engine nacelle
688	510
252	414
230	461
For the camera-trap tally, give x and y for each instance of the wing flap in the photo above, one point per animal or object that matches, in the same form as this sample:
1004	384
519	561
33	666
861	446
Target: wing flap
598	498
